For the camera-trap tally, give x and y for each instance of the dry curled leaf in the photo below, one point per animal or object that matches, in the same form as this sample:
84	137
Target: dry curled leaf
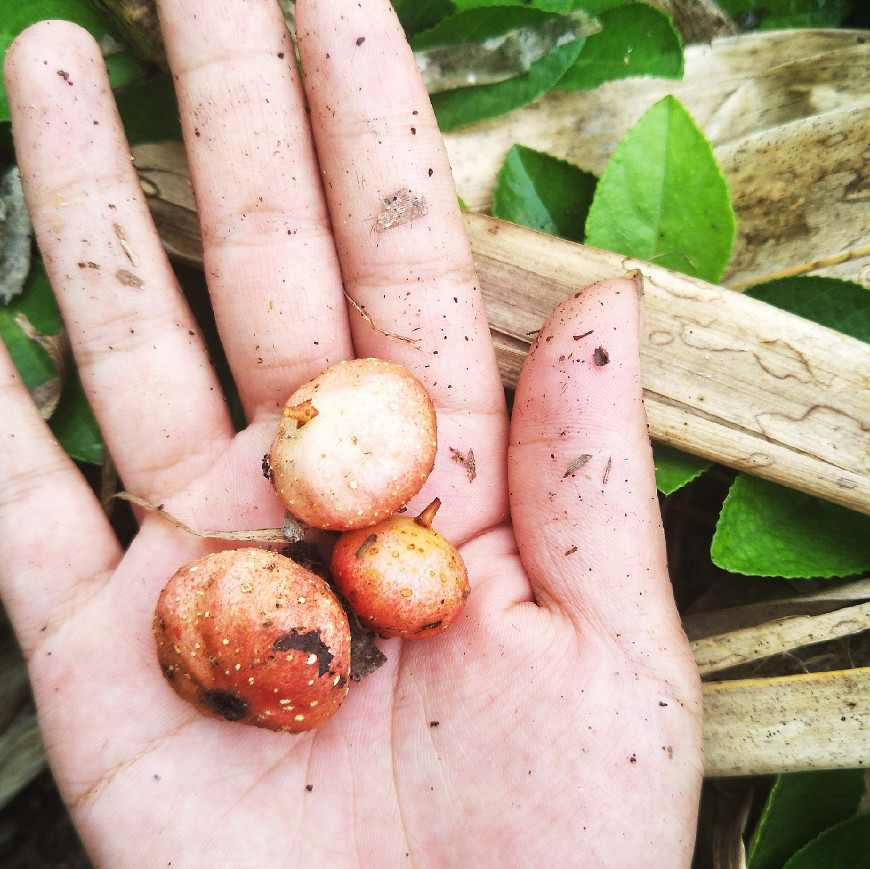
15	236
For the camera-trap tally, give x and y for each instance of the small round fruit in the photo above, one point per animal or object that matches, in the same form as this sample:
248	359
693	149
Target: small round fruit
248	635
401	576
354	444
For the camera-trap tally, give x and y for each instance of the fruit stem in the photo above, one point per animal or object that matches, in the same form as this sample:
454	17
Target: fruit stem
302	413
426	517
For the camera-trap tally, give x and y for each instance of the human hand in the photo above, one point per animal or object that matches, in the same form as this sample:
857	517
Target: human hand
559	721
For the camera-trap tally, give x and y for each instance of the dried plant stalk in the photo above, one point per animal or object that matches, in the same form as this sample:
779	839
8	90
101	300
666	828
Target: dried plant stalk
725	376
787	724
721	651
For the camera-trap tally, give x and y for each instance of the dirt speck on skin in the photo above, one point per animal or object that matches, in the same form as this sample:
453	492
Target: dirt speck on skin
128	279
400	207
600	357
466	460
577	463
366	545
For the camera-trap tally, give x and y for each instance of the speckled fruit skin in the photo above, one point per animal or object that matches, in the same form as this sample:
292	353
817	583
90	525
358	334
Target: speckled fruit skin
366	452
402	578
248	635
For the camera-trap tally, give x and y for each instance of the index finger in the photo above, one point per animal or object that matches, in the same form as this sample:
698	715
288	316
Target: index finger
405	259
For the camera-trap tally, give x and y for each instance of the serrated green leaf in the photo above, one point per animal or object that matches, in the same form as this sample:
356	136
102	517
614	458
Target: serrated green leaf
419	15
476	25
464	106
542	192
675	469
768	530
801	805
636	39
662	198
844	846
784	14
17	16
467	105
831	302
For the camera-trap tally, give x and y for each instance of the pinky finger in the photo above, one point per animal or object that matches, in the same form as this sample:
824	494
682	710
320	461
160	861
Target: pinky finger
56	542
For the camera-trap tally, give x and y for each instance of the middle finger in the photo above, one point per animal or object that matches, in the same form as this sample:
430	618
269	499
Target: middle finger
269	257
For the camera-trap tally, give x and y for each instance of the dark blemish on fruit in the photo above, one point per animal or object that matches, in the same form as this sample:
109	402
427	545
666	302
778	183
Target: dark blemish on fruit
360	40
366	545
267	469
434	723
168	672
227	704
432	625
600	356
584	335
577	463
309	642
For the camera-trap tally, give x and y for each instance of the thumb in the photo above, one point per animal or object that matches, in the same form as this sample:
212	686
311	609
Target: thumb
581	477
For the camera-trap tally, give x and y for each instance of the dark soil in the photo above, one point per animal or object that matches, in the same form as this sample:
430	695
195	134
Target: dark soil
37	833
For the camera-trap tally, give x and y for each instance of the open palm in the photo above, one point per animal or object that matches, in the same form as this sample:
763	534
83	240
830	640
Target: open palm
559	720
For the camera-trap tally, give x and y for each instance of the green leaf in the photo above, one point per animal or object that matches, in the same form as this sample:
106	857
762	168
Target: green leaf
418	15
662	198
559	6
783	14
18	15
801	805
675	469
37	304
149	110
477	25
464	106
635	39
768	530
74	425
544	193
468	105
72	422
840	305
844	846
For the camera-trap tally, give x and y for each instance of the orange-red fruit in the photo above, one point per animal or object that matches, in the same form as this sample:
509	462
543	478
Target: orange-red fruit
248	635
401	576
354	444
